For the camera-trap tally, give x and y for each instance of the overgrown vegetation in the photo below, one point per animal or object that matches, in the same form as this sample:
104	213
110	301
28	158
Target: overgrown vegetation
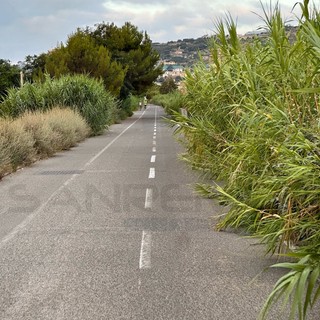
171	102
81	55
79	92
121	56
37	135
254	122
9	76
168	86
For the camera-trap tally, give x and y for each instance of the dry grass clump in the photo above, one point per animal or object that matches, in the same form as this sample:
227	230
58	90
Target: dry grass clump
16	146
37	135
68	127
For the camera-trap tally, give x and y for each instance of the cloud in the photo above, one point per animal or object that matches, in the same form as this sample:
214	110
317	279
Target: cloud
35	26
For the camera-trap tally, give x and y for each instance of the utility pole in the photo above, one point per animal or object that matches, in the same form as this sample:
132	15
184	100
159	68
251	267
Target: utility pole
21	78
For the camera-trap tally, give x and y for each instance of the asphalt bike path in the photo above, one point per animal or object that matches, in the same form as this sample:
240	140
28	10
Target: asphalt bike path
112	229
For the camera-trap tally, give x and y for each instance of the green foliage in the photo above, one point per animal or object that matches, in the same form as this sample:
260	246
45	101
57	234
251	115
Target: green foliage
133	50
171	102
301	283
122	56
86	95
81	55
9	77
38	135
127	106
134	102
168	86
34	67
253	121
152	91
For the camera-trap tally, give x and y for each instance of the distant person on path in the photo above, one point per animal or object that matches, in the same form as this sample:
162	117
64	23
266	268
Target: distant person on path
145	101
140	105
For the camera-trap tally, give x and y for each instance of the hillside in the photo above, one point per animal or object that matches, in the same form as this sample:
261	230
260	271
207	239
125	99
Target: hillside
183	52
186	52
178	55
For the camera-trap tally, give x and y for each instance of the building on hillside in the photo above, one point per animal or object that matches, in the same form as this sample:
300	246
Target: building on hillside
173	71
177	53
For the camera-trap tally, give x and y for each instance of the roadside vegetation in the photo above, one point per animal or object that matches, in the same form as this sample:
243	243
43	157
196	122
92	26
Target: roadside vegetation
168	96
171	102
79	92
254	122
37	135
97	76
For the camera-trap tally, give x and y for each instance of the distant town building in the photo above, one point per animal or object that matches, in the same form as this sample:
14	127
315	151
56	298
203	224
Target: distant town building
174	71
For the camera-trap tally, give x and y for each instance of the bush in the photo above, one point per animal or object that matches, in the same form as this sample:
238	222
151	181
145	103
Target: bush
171	102
168	86
86	95
16	146
43	135
128	106
37	135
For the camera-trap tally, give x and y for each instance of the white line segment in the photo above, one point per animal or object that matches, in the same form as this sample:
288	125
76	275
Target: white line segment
145	251
152	173
32	215
153	158
154	149
112	142
148	201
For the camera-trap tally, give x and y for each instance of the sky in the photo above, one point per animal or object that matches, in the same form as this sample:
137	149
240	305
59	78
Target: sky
31	27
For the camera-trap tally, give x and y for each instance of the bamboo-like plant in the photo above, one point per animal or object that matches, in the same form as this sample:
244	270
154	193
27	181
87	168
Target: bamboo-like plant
254	121
79	92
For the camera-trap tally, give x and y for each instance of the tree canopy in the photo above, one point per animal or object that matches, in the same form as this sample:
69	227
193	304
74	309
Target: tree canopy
82	55
132	48
9	76
122	56
168	86
34	67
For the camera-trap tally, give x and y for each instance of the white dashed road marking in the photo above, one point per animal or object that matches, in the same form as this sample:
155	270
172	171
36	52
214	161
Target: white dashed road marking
145	251
152	173
148	201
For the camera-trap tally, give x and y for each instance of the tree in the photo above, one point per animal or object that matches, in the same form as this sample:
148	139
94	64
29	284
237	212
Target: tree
34	67
168	86
82	55
9	76
133	50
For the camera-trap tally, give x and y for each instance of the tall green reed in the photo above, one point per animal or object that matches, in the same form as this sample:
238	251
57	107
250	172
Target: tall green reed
254	122
79	92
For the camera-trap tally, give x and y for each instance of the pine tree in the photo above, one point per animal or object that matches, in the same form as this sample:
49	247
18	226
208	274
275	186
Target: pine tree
82	55
133	50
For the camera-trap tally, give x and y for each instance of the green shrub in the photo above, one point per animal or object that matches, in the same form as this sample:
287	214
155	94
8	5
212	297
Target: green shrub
168	86
171	102
79	92
128	106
